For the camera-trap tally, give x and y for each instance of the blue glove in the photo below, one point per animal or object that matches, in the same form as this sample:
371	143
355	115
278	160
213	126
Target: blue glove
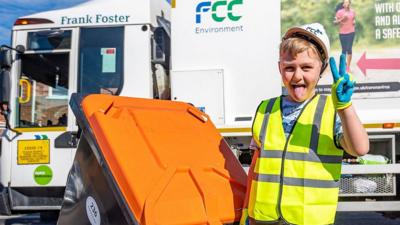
343	84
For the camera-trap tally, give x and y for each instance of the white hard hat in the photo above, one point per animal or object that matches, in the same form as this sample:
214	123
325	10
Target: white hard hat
314	33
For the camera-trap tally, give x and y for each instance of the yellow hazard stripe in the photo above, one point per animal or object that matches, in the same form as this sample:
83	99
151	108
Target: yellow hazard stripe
40	129
234	130
380	125
377	125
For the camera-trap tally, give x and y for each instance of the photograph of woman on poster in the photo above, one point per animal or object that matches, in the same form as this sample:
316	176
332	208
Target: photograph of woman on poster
346	19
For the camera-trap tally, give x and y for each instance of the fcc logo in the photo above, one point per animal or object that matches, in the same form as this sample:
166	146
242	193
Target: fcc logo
203	9
314	31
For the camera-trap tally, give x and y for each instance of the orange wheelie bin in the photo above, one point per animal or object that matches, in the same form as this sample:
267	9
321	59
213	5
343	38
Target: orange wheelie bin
150	162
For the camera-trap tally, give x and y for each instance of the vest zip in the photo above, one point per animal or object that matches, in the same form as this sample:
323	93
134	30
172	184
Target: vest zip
284	155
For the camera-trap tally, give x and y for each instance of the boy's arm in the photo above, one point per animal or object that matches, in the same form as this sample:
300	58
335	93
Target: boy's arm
355	140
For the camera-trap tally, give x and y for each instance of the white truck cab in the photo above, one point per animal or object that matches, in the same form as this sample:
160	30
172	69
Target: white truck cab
96	47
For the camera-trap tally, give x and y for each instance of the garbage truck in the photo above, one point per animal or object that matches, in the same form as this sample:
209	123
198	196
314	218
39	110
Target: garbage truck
220	56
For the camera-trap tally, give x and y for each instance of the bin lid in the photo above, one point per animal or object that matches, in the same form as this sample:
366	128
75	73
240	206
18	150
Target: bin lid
169	161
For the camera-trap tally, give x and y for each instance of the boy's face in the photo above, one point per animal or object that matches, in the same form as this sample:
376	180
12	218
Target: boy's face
300	74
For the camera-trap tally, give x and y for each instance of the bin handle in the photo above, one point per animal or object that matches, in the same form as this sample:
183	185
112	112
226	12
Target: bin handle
199	115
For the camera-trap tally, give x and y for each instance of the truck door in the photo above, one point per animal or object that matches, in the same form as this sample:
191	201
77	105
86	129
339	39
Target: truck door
43	153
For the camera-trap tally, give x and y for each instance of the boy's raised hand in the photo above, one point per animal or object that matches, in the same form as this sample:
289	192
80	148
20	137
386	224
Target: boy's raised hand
343	84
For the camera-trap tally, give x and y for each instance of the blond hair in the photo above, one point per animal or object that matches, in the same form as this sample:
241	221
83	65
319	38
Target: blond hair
294	46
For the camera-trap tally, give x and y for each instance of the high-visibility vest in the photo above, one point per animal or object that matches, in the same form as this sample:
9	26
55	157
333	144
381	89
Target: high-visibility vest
296	179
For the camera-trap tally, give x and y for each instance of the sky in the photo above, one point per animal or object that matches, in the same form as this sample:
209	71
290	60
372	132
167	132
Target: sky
10	10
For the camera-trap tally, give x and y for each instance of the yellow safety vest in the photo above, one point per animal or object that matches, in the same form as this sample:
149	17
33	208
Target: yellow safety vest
296	179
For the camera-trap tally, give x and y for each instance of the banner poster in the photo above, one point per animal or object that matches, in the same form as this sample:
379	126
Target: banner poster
367	31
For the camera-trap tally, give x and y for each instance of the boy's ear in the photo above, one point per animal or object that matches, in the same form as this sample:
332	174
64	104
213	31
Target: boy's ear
323	68
321	71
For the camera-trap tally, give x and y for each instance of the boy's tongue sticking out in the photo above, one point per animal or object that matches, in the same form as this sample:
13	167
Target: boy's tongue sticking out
299	91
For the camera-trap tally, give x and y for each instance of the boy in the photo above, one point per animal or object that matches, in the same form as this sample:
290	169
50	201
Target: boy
294	175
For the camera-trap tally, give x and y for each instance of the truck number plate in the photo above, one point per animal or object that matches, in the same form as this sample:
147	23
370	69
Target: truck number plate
33	152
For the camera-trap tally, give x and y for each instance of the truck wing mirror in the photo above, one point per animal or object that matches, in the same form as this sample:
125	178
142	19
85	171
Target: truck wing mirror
161	47
5	65
5	81
5	85
5	58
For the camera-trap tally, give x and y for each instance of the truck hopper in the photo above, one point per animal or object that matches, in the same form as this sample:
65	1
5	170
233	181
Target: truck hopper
149	162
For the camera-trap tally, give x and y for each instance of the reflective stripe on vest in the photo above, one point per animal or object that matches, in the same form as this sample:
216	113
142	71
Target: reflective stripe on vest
302	188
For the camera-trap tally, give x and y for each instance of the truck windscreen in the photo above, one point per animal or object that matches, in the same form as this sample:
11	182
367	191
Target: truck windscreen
49	40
